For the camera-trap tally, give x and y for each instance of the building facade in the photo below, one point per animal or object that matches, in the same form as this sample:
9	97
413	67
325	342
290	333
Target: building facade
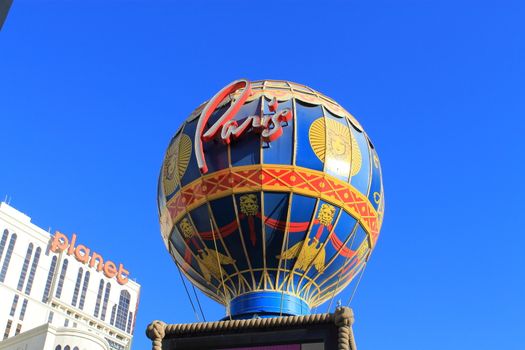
46	280
48	337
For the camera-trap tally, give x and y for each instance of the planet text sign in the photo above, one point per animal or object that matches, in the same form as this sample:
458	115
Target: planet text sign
60	243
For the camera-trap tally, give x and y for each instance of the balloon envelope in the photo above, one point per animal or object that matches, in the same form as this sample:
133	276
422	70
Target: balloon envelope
270	198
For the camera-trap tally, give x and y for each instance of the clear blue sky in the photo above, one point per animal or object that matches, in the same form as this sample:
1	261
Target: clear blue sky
91	92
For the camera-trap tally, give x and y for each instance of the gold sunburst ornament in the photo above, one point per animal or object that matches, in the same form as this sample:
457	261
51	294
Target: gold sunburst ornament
176	163
335	146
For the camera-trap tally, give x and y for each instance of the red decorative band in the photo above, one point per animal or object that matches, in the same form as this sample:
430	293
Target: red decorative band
276	178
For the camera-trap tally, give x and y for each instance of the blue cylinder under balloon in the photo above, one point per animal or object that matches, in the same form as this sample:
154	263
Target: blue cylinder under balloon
267	304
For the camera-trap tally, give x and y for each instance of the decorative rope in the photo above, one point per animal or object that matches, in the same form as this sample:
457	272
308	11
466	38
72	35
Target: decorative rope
354	230
198	303
343	318
357	285
188	294
218	260
156	331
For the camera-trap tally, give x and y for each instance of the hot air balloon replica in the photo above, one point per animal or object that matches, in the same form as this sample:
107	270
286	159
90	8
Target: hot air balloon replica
270	198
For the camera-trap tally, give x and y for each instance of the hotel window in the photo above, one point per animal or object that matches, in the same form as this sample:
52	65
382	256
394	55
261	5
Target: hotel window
66	323
114	345
49	278
7	258
130	319
23	273
33	271
105	304
67	347
84	290
99	297
3	242
13	305
50	317
23	310
7	329
123	309
112	320
61	279
18	329
77	287
58	347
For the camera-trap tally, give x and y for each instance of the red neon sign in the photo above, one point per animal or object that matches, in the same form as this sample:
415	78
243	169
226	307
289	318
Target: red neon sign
226	129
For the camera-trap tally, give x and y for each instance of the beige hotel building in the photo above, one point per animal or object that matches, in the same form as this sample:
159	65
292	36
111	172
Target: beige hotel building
58	294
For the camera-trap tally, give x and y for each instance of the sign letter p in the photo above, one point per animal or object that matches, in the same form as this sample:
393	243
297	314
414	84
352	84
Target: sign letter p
59	243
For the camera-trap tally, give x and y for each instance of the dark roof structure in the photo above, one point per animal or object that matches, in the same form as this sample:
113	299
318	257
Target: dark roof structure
335	329
5	5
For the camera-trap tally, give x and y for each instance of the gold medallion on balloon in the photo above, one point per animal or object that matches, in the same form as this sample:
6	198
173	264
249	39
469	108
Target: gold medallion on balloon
334	144
176	163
